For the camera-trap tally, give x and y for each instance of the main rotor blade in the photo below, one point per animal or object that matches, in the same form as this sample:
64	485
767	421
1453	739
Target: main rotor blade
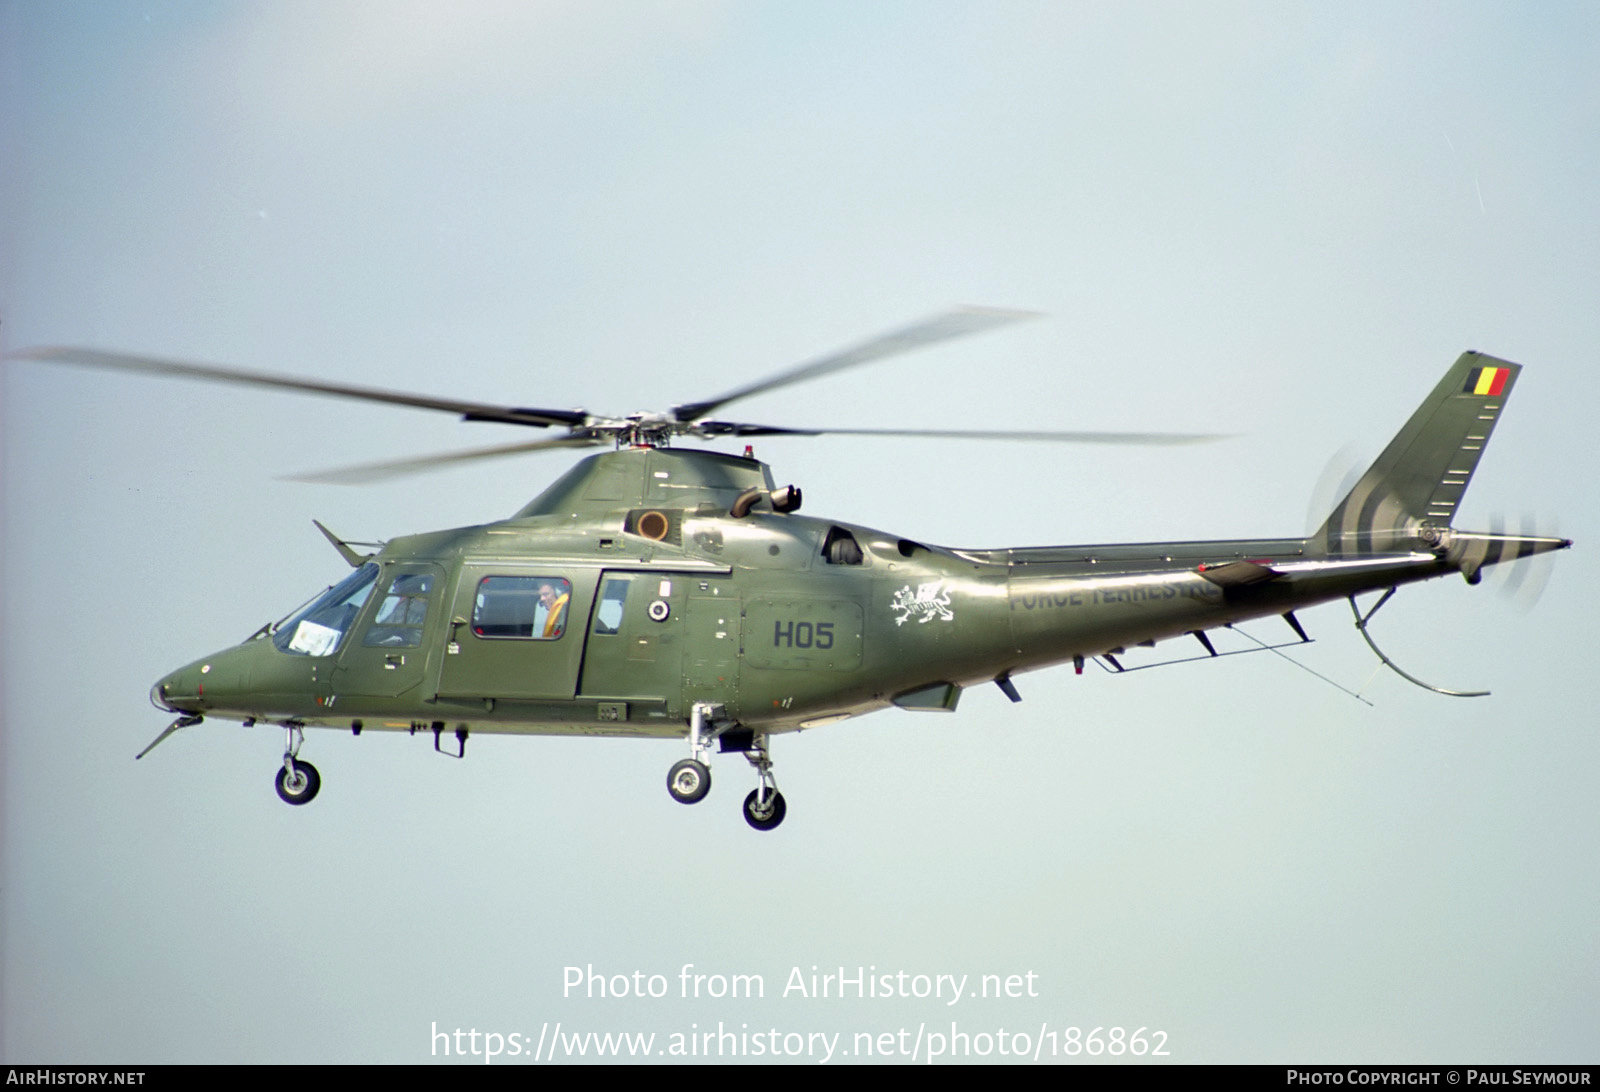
472	411
367	473
1154	439
942	327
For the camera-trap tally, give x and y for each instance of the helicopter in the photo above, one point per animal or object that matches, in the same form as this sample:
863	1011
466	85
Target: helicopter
660	591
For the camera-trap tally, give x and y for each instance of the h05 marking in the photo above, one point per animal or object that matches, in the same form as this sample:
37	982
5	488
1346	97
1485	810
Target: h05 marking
802	635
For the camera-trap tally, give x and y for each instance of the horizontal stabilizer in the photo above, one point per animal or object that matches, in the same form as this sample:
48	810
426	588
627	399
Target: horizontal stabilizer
1237	573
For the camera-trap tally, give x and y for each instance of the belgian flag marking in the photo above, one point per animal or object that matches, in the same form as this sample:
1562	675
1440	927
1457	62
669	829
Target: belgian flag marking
1488	381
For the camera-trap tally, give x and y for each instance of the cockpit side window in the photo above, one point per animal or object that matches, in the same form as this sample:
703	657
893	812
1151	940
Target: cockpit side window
317	630
402	614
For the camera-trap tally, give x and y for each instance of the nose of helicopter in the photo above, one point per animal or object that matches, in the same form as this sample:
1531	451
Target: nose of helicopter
183	691
205	684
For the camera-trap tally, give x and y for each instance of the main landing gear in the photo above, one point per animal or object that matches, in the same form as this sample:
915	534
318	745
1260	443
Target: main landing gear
298	781
690	779
764	808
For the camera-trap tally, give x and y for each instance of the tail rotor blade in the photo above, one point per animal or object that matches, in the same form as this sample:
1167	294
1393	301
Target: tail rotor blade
1522	561
1339	475
1527	578
1517	571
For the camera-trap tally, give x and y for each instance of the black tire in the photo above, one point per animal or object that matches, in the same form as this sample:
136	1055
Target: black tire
776	810
309	781
689	781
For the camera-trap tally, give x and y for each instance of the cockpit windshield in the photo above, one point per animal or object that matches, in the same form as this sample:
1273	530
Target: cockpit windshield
317	630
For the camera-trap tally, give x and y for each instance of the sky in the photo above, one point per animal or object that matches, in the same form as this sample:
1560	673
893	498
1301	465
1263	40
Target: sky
1277	222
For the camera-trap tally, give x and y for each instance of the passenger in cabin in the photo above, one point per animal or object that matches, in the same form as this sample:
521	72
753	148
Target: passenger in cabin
551	619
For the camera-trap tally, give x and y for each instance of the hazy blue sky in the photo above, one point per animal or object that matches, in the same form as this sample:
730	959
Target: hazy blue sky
1280	221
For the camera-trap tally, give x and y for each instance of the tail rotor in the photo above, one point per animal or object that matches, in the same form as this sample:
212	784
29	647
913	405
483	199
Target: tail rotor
1524	578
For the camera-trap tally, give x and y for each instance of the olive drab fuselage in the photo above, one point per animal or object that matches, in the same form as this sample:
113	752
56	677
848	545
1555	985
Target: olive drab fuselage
654	591
783	620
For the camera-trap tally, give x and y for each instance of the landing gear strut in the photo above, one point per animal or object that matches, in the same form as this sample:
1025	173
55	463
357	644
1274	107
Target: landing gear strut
764	808
298	781
689	780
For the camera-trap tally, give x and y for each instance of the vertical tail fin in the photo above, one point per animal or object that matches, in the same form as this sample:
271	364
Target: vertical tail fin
1414	488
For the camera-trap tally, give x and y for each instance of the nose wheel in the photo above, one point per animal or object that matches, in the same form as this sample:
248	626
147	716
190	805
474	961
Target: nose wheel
298	785
298	781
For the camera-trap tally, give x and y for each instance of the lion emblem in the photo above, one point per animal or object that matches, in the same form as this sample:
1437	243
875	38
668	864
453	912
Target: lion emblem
925	604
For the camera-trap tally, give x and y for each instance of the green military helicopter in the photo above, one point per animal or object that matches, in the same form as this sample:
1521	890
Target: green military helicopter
657	591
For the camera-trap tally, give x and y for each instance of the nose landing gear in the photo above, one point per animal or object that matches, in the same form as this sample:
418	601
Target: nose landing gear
298	782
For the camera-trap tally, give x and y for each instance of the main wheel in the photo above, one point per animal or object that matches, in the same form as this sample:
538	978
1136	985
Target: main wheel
768	817
689	781
302	787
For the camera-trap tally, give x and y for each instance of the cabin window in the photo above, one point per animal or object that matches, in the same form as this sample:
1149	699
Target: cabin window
608	615
317	630
527	607
401	615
